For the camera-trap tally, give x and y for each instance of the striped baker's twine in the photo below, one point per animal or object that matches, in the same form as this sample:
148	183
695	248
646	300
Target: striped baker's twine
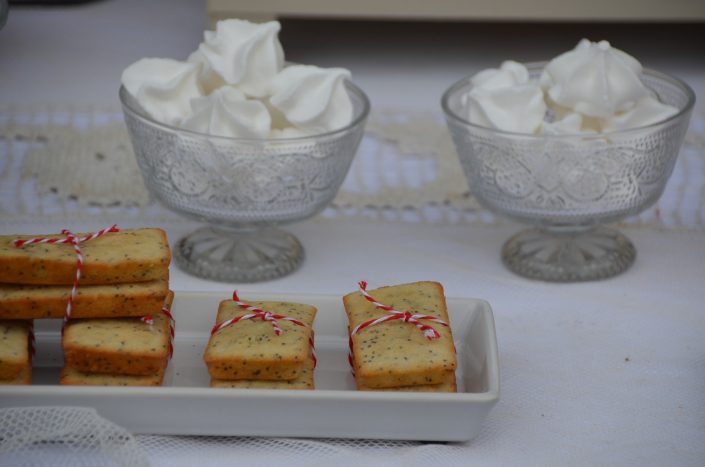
416	319
75	242
149	319
264	316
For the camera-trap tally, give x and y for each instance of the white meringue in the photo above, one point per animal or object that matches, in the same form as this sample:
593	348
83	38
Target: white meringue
509	73
279	121
591	89
505	99
235	85
244	54
647	110
570	124
518	108
594	79
312	99
207	77
163	87
228	112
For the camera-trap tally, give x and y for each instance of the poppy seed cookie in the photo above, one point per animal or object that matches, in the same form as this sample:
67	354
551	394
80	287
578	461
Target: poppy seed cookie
396	353
139	255
23	377
448	385
249	349
303	381
92	301
73	377
14	349
123	346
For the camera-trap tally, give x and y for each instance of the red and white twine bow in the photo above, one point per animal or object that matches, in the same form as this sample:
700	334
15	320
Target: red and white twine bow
149	319
257	313
407	317
75	242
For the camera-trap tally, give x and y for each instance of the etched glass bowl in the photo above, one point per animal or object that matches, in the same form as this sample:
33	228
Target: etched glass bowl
243	189
567	186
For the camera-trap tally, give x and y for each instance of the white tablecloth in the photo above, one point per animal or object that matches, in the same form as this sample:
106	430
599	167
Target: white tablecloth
607	373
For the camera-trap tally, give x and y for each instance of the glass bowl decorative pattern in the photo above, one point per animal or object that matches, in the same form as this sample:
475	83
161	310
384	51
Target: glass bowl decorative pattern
243	189
567	186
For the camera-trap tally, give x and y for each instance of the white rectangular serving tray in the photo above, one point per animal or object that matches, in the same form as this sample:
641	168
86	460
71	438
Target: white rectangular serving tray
185	405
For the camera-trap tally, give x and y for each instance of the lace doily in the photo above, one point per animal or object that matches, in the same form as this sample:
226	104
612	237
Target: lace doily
70	436
298	452
79	436
69	163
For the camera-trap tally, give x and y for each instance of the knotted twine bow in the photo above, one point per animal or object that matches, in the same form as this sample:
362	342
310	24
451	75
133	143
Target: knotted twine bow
264	316
416	319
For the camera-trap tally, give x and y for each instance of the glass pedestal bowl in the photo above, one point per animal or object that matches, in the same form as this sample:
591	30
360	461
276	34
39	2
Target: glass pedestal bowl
243	189
568	186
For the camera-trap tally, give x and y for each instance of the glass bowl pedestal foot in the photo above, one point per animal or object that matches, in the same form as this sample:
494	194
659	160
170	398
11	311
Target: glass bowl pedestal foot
560	256
239	255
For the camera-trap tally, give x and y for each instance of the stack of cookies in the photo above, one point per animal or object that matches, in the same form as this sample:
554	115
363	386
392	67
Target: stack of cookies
248	353
124	274
395	355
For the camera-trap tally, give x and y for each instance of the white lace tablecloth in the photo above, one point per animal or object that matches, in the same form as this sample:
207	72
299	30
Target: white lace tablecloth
602	373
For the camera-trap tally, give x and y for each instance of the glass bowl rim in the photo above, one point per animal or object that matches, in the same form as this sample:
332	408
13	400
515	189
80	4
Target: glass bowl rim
140	114
682	85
